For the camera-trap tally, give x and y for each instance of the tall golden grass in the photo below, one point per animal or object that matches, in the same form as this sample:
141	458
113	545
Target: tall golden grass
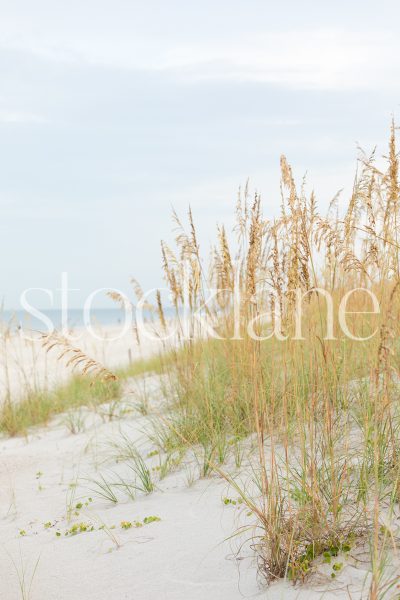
325	411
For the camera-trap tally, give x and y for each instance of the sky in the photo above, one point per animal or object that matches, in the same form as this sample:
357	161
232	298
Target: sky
112	113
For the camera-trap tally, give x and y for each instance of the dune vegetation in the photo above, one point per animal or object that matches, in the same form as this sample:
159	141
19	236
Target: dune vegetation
38	406
296	348
319	388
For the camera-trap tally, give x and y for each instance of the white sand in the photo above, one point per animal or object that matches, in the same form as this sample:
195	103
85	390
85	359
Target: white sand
184	556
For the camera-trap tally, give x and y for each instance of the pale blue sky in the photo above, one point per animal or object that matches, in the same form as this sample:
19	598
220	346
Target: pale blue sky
111	112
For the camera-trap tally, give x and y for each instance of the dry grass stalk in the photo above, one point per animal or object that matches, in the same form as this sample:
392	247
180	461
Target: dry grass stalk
76	358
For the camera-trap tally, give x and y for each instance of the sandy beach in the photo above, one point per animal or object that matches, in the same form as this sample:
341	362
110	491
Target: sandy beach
47	483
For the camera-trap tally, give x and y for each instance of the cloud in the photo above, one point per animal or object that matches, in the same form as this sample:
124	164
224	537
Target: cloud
322	57
305	59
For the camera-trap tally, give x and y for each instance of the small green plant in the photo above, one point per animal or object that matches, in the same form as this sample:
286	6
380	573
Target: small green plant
171	462
77	528
108	411
38	476
336	567
190	475
104	489
148	520
128	488
136	524
301	567
124	448
144	482
129	524
70	499
238	452
74	421
205	459
153	453
231	501
83	504
21	569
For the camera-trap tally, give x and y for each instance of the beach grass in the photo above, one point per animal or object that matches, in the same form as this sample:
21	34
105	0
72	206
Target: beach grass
38	407
321	391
